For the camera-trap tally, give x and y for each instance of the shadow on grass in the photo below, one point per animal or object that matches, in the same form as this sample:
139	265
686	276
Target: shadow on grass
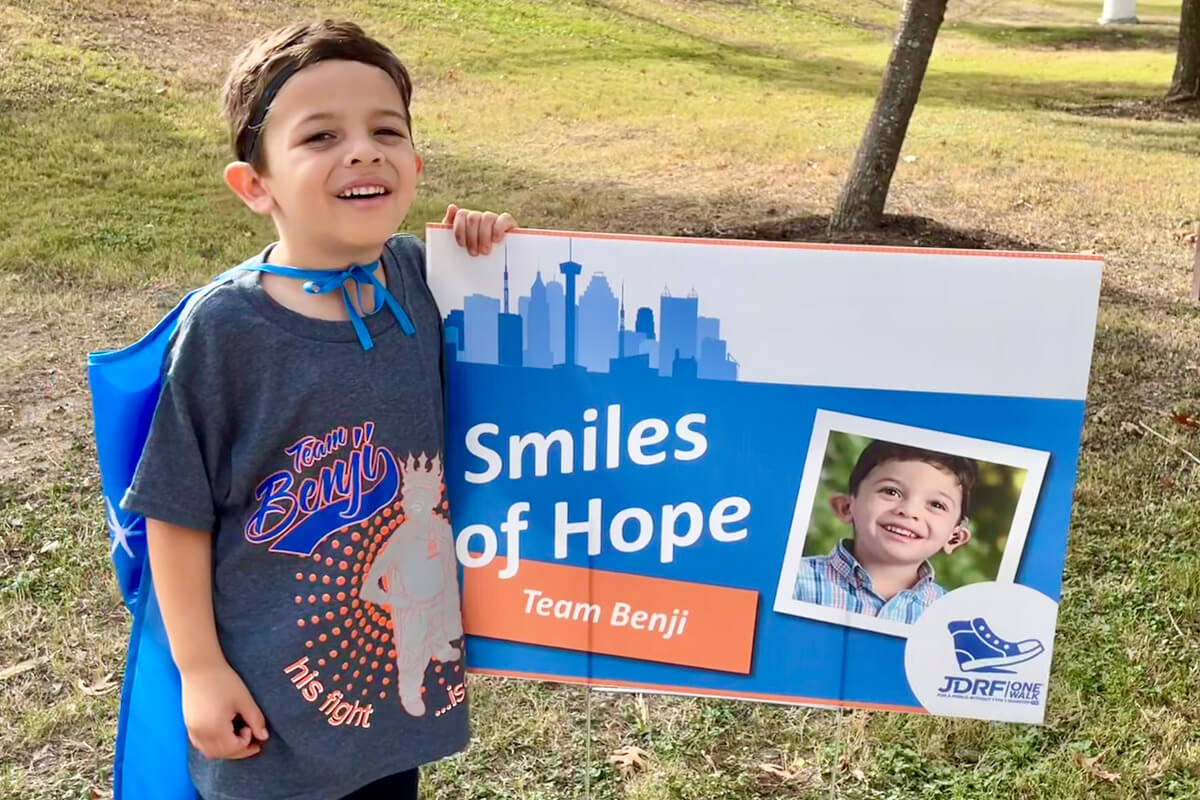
897	230
1072	37
1124	133
543	199
773	68
1155	306
1142	109
977	88
825	14
175	218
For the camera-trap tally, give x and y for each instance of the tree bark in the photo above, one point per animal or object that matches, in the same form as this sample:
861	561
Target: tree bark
860	206
1185	84
1196	270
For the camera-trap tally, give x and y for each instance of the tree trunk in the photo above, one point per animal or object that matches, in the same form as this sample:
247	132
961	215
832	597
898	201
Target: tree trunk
860	206
1196	272
1185	85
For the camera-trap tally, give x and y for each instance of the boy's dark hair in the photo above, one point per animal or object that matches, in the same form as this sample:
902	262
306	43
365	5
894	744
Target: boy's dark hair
880	452
267	62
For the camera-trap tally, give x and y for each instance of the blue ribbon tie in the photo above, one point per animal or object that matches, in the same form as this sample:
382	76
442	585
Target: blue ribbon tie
322	281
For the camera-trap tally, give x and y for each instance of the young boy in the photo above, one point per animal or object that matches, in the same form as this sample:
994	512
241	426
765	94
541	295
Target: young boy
294	416
905	504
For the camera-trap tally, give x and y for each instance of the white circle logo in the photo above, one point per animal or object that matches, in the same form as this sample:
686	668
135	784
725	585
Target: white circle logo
983	651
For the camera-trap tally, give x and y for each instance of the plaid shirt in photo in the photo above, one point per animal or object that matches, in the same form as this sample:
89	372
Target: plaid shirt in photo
839	581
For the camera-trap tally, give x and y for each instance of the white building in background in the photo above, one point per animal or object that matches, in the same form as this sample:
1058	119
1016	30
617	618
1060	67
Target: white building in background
1119	11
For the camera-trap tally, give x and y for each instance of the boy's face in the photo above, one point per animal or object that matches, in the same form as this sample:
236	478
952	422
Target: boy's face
335	127
903	513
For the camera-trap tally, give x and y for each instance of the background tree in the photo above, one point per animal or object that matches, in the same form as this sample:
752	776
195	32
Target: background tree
860	206
1185	83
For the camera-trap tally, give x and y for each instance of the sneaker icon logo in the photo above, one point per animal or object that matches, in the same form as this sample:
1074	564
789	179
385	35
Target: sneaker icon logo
978	649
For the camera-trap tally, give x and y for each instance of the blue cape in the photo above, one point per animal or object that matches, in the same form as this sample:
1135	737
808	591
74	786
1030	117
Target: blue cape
151	747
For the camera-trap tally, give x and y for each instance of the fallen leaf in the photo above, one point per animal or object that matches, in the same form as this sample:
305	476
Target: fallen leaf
1167	482
629	760
17	669
799	771
1092	765
1185	421
94	793
41	756
102	686
775	769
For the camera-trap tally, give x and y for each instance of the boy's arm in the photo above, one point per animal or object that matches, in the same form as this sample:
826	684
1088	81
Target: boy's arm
213	693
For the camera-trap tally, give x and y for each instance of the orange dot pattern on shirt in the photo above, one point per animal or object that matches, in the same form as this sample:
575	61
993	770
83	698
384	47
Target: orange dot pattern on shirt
358	633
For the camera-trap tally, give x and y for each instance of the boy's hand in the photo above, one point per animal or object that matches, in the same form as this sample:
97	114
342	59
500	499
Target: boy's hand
478	230
213	697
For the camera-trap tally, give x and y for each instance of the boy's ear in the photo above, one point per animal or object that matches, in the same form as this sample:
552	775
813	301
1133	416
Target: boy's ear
960	536
840	504
248	185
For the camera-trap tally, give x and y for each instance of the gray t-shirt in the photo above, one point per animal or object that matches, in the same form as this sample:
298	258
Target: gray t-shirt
317	466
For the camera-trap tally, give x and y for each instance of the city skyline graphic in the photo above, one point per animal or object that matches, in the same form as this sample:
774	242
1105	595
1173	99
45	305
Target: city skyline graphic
562	324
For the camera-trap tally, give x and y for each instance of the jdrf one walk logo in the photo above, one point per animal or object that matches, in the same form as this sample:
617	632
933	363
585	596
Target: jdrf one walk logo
978	649
983	651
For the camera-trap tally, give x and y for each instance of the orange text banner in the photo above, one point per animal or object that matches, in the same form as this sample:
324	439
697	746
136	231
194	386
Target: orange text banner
613	613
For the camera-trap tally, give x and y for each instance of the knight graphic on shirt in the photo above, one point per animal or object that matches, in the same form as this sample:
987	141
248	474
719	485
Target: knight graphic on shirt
414	575
383	591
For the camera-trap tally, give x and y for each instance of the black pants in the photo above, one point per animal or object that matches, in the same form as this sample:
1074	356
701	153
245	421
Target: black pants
401	786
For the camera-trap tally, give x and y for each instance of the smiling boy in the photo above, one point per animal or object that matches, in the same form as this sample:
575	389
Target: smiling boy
904	505
301	397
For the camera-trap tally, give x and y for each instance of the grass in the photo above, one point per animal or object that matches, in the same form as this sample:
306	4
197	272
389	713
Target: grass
654	116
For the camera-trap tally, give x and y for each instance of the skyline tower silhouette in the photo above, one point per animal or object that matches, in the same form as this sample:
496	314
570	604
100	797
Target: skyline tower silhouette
596	325
505	278
621	325
556	300
644	322
538	352
570	269
510	334
481	321
677	319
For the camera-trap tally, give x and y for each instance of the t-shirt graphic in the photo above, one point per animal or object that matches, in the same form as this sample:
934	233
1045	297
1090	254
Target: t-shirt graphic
414	576
380	600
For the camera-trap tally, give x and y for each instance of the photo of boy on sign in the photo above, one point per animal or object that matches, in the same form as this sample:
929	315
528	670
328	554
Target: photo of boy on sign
904	504
891	518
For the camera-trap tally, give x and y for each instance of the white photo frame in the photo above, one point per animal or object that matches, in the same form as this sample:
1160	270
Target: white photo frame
1033	462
